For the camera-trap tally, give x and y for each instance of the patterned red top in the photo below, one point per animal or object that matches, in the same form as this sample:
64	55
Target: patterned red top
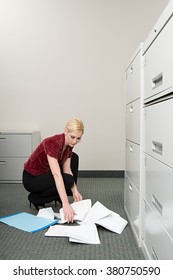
37	163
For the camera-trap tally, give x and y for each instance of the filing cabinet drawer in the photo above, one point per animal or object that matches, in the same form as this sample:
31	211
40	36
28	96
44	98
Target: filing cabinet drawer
133	80
133	121
11	169
15	145
159	131
15	148
133	162
131	202
158	63
159	191
156	239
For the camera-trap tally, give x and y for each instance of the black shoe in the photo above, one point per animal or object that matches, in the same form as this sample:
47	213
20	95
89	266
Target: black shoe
39	202
36	201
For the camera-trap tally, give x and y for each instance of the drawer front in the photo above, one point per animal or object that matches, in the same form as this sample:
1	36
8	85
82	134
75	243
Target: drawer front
159	191
15	145
133	80
158	131
131	201
157	241
133	162
158	63
133	121
11	169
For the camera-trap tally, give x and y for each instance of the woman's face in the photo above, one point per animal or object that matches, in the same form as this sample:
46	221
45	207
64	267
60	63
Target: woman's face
72	138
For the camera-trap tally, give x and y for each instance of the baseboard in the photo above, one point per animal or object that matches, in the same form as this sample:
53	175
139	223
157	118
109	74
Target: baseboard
101	173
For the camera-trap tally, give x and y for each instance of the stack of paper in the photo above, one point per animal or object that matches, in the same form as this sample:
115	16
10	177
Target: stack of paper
87	218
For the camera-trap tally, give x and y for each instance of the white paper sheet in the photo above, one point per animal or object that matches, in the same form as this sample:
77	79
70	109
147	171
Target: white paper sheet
81	209
81	234
57	231
97	212
113	222
46	213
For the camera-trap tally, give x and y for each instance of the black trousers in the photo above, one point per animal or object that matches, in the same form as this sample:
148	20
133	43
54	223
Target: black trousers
43	186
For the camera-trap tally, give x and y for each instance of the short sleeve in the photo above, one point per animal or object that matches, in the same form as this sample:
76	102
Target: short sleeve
52	147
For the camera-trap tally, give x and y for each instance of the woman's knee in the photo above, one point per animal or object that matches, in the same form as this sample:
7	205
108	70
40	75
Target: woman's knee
68	180
75	159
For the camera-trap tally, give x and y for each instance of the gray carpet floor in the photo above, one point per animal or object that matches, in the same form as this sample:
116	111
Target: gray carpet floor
16	244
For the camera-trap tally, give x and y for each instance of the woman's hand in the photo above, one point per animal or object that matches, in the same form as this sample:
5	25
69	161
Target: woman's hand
76	194
68	212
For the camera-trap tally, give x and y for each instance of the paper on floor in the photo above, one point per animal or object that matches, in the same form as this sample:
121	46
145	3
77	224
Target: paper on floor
88	217
81	208
46	213
113	222
97	212
80	234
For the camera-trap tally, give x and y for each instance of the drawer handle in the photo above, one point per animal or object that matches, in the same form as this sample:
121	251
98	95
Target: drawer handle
131	69
131	149
130	188
157	147
2	139
157	81
131	109
157	204
2	162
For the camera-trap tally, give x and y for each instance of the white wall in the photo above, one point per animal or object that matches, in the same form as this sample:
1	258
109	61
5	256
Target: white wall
65	58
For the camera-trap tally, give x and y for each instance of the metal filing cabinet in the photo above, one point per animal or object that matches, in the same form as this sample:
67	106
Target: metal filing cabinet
132	170
157	229
15	148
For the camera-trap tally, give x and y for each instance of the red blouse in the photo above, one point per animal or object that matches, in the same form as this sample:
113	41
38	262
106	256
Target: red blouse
37	163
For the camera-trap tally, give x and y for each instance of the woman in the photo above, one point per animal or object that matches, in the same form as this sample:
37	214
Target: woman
51	171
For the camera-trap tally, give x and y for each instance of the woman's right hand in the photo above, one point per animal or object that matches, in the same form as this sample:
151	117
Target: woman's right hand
68	212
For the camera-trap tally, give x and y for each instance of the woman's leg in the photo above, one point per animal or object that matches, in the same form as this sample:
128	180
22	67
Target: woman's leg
68	179
37	184
75	166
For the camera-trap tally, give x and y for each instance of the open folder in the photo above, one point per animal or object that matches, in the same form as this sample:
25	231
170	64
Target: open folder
28	222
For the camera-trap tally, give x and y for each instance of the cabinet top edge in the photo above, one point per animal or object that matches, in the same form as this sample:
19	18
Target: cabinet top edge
134	55
18	132
159	25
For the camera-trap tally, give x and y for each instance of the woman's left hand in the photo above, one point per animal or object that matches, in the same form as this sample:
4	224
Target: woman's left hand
76	194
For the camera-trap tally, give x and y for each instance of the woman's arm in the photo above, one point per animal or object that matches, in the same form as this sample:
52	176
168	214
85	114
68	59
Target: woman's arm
56	172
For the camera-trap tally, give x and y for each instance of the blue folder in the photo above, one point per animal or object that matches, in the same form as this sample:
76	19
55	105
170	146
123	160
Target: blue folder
27	222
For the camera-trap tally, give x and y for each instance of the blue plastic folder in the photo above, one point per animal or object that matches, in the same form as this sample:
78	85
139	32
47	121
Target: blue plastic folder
27	222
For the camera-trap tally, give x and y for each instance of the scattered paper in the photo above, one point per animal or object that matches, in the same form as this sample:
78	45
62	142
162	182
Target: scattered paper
46	213
113	222
87	218
97	212
80	234
58	231
81	208
89	235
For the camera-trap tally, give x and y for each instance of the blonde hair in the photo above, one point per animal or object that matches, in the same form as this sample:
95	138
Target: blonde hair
75	125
